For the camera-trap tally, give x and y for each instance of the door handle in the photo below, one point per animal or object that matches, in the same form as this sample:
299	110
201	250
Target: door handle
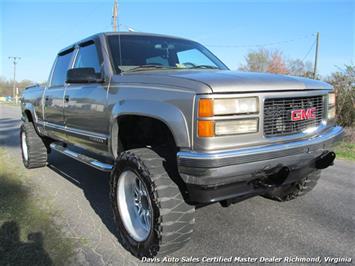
66	98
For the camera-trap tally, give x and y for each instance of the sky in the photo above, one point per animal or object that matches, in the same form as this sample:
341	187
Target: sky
37	30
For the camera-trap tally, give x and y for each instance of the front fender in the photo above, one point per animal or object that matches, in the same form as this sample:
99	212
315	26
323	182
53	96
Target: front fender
28	107
167	113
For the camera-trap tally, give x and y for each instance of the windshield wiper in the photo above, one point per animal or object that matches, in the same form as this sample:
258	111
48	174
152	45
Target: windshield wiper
205	66
145	67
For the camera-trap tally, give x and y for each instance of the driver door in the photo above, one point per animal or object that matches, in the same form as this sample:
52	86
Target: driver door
85	104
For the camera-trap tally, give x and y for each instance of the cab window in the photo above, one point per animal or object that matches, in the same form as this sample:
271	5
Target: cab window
88	57
60	69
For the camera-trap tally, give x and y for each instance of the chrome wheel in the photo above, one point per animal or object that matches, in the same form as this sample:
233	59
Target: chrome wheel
150	212
24	146
134	205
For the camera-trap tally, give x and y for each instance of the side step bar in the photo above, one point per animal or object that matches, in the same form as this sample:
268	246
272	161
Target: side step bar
82	158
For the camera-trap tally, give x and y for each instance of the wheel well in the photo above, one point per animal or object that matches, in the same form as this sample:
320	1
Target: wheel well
29	116
138	131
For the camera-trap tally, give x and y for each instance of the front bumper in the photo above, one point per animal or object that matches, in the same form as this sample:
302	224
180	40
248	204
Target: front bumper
219	169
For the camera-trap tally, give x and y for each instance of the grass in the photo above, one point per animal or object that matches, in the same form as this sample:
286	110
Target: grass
28	235
346	148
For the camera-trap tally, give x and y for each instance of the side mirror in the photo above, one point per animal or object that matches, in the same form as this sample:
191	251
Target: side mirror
83	75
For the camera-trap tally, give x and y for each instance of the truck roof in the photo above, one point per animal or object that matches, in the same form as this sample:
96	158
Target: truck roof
98	35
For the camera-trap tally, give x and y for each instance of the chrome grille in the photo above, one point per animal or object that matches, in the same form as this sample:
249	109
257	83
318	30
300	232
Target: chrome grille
277	115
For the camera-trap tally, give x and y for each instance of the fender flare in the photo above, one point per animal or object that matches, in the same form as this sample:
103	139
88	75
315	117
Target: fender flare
29	107
167	113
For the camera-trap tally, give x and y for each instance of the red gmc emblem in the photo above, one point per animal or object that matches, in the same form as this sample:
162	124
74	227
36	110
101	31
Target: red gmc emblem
303	114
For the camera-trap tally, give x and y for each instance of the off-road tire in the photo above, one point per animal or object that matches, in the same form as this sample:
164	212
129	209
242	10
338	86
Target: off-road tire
297	189
173	218
36	148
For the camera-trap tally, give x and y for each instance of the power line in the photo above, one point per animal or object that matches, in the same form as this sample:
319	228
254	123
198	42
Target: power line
310	49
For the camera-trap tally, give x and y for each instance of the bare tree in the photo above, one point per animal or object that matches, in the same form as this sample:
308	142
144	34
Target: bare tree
264	60
276	63
297	67
256	61
6	86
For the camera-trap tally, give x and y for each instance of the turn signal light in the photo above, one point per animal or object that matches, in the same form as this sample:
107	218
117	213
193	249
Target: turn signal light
205	108
205	128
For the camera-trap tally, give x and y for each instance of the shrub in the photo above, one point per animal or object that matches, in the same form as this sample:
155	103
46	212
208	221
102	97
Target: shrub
344	85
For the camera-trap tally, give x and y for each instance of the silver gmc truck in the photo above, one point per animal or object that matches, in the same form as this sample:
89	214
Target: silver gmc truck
177	130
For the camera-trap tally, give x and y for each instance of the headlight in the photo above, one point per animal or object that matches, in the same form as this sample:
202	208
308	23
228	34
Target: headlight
235	106
210	107
207	128
331	99
234	127
331	113
331	106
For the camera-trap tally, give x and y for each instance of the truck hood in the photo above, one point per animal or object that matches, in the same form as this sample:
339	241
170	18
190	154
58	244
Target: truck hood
233	81
217	81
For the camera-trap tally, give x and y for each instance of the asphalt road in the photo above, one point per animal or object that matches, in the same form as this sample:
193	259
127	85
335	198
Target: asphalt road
322	223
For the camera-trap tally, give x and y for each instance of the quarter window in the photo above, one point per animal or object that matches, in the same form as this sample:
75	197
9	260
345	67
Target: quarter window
88	57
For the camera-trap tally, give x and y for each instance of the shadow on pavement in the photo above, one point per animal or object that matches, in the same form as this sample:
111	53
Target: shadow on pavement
9	129
94	183
15	252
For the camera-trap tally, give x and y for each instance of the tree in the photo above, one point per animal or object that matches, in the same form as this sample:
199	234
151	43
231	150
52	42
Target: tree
297	67
264	60
6	86
257	61
277	64
344	85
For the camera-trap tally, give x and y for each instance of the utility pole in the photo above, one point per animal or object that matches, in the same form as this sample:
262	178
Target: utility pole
114	16
316	57
15	60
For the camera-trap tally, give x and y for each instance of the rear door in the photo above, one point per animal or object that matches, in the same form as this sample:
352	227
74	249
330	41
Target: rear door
85	104
54	96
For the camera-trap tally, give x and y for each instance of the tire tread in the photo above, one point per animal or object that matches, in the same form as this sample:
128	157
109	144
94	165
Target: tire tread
37	150
176	220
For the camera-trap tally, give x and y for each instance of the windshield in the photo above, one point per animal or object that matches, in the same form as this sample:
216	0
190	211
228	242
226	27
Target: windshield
139	53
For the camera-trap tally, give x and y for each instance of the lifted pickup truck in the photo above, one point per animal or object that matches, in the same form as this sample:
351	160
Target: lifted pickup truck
177	130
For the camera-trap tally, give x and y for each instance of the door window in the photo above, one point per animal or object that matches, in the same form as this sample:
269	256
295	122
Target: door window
61	67
88	57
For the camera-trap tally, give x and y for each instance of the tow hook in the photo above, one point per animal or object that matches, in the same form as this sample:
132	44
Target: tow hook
325	160
272	180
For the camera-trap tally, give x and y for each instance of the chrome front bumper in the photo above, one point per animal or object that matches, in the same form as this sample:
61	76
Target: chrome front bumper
220	168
